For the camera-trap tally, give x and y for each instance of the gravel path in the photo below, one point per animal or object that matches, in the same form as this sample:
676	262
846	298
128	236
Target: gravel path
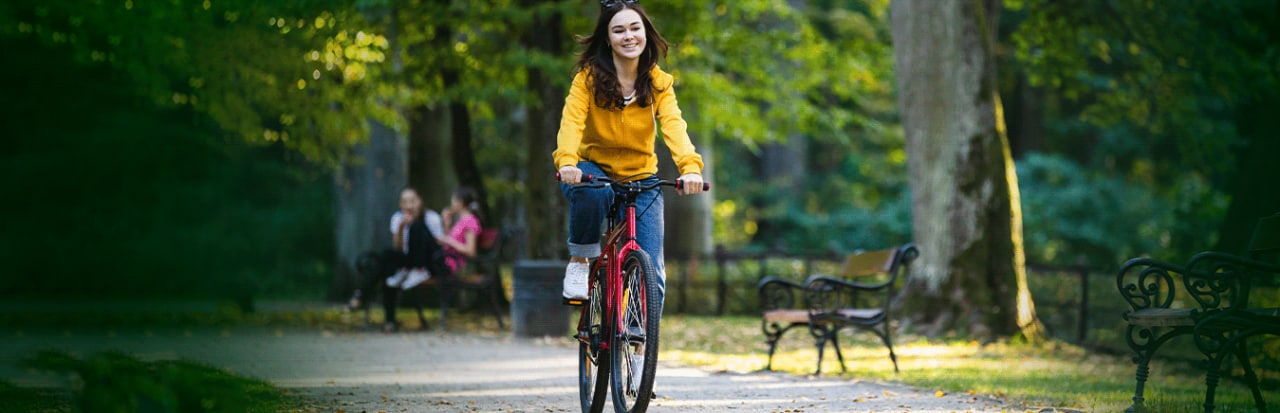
439	372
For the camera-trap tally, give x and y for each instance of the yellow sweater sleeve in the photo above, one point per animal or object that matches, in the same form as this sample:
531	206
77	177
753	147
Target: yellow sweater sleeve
572	122
674	129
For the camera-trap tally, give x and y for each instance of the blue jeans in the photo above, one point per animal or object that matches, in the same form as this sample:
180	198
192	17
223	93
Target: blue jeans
588	208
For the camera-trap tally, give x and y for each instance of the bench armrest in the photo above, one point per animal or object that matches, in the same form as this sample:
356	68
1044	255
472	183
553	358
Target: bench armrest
1214	280
826	294
1220	280
777	294
1148	283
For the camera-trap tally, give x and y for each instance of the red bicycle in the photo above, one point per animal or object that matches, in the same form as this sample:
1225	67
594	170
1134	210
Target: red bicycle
623	309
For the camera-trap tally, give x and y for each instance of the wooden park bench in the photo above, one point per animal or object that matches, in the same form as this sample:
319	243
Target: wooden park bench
831	304
1213	298
481	275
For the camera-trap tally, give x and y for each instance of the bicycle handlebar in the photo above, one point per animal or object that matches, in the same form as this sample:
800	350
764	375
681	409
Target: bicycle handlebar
601	181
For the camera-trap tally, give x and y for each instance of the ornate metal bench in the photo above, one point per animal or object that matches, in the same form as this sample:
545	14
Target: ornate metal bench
1214	308
832	304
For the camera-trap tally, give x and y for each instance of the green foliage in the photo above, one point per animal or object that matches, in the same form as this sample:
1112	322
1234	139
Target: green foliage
114	382
1170	77
1062	224
1167	96
111	196
20	399
763	72
298	73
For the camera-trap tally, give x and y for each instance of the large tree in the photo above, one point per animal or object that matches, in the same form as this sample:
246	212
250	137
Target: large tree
967	220
545	208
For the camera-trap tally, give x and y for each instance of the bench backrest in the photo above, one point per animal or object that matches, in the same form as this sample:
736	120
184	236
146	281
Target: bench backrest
1265	244
862	264
488	238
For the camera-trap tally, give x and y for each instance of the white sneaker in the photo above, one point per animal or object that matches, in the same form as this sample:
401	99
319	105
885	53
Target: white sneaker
575	281
398	278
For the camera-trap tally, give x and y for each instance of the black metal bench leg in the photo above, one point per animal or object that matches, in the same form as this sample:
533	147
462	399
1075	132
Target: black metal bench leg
772	333
446	296
1250	377
822	343
493	304
422	319
835	342
417	307
1211	385
822	335
1145	342
772	340
889	343
1144	370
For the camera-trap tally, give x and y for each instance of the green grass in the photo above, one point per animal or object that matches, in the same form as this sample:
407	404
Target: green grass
114	382
1027	376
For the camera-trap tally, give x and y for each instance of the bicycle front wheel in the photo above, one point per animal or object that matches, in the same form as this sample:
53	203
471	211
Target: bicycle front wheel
634	349
593	358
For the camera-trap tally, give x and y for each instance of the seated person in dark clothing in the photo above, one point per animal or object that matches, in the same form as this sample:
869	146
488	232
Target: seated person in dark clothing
414	258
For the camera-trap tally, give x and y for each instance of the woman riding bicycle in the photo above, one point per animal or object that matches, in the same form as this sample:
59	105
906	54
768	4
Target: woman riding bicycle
618	99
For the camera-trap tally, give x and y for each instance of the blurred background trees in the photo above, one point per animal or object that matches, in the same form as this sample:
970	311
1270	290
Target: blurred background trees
194	148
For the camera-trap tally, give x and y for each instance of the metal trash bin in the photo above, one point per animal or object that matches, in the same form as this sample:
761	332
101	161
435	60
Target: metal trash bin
536	309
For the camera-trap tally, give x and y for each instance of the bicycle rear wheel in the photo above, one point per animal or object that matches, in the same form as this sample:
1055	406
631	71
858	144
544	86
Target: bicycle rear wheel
593	358
635	342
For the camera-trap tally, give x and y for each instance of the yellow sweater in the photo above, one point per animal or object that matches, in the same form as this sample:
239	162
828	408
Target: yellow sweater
621	141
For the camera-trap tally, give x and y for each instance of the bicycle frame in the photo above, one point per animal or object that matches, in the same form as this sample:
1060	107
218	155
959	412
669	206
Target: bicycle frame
611	257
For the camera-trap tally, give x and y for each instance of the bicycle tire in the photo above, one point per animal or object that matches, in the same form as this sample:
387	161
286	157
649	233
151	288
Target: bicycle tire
593	358
639	283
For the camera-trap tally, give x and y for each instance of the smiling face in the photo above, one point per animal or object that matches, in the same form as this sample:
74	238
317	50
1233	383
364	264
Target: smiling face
410	202
626	35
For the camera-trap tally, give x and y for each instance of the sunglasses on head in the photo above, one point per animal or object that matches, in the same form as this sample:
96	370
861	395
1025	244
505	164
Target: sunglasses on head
610	3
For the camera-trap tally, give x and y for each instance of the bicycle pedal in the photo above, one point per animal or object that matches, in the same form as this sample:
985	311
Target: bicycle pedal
572	302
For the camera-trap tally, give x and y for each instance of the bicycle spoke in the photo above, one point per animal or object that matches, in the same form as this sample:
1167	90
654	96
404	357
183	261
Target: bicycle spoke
634	348
593	359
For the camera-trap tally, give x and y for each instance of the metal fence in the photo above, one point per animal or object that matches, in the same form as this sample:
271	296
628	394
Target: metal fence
1074	302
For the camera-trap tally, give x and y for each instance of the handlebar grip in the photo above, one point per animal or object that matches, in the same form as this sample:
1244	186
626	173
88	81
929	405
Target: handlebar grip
706	186
588	178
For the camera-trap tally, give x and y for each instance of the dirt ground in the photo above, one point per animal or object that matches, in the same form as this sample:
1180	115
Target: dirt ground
453	372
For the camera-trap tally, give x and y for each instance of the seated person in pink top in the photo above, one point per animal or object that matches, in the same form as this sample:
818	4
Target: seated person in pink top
461	227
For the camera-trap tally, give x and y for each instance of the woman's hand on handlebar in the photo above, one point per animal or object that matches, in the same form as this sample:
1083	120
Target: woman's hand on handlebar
570	174
690	184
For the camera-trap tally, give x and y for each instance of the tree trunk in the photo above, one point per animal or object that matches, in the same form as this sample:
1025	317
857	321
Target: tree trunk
430	164
464	156
545	208
365	188
966	214
431	161
1252	196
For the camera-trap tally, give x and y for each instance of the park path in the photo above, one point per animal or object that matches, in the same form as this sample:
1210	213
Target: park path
454	372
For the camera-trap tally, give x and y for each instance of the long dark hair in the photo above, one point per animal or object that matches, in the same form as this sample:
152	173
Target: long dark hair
597	59
469	199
